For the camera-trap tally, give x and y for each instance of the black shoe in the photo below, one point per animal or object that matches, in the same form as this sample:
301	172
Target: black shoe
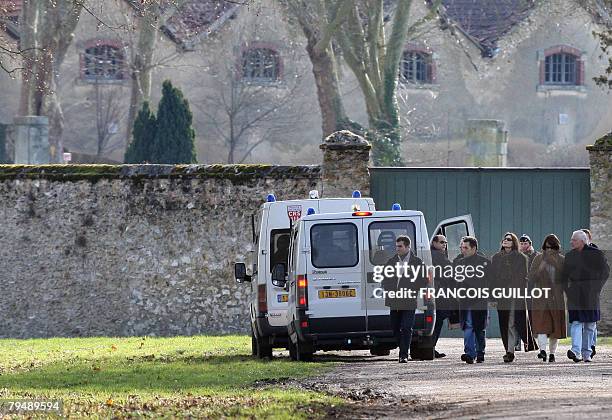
403	360
480	359
572	356
593	352
439	355
517	347
542	355
551	358
464	357
469	360
508	357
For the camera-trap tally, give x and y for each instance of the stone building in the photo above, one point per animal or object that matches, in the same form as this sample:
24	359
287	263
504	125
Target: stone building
527	64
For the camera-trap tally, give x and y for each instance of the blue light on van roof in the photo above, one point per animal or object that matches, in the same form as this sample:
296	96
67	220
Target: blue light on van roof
310	211
271	198
396	206
356	194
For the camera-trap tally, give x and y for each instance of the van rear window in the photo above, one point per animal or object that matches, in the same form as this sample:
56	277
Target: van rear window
382	239
334	245
279	247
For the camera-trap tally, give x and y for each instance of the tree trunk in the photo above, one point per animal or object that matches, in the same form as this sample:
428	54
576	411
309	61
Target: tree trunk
333	114
142	65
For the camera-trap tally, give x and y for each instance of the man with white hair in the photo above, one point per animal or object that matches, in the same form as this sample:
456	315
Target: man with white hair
584	274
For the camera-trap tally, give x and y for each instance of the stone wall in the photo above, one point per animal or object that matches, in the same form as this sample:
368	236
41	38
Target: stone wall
130	250
600	156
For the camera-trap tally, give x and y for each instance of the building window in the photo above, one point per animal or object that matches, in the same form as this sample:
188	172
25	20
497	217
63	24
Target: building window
260	65
560	69
417	67
102	62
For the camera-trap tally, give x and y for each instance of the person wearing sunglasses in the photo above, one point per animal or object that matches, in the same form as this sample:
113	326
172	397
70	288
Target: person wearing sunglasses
444	306
548	315
509	270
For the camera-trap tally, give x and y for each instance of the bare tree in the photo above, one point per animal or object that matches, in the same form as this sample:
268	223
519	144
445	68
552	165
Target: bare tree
109	115
246	115
47	30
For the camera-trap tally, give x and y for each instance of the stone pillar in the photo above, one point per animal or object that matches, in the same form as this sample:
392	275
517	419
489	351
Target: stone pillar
31	140
600	157
487	143
345	165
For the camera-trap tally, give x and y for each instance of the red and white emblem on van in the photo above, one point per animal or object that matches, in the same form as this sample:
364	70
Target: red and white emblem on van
294	212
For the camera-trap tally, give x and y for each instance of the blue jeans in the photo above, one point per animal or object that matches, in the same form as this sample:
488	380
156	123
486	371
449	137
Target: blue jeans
474	341
402	323
582	338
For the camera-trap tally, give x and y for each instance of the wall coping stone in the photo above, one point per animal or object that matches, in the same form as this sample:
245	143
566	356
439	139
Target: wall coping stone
602	144
345	139
78	172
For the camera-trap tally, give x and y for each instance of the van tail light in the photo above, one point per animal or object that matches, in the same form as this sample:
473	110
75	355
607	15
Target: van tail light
302	292
262	299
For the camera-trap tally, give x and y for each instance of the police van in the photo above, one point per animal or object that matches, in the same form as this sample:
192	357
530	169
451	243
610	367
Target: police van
332	296
271	227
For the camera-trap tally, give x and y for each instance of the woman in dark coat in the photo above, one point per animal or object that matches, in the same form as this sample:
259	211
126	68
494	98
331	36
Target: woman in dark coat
509	270
548	314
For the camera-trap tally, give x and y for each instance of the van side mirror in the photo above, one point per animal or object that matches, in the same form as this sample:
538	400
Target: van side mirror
279	275
240	272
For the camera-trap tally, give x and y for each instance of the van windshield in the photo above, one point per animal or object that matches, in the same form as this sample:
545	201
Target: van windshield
382	239
334	245
279	247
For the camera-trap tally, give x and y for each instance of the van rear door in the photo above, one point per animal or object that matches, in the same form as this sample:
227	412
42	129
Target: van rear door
379	235
334	270
454	229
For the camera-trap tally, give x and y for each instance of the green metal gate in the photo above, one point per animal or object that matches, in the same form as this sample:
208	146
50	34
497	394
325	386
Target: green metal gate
521	200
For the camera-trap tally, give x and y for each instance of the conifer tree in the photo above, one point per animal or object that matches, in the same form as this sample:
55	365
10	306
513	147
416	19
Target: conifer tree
140	150
174	135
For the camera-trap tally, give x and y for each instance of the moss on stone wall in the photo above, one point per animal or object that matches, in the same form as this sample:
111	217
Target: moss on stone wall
605	141
96	172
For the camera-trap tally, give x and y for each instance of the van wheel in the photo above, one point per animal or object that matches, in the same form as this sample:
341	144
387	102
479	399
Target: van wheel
300	352
260	348
292	351
253	343
422	349
377	351
304	352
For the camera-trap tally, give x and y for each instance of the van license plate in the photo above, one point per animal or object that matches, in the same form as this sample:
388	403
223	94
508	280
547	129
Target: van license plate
344	293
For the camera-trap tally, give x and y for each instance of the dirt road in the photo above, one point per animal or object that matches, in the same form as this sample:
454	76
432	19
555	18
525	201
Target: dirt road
448	388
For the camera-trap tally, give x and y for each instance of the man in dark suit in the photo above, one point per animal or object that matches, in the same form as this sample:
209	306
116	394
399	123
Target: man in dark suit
585	272
403	308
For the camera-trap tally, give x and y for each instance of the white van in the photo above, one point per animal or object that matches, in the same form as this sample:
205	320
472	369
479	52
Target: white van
332	304
271	227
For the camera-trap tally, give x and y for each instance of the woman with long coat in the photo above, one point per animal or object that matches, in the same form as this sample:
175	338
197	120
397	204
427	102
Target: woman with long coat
548	312
509	271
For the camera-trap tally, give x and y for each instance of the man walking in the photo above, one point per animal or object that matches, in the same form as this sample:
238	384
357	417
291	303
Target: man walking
474	312
584	274
446	308
526	247
594	342
402	309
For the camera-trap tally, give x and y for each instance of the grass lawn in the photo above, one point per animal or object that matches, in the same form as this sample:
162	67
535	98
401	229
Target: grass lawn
201	376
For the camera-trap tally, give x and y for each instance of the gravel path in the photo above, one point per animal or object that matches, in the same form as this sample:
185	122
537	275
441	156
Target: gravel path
448	388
